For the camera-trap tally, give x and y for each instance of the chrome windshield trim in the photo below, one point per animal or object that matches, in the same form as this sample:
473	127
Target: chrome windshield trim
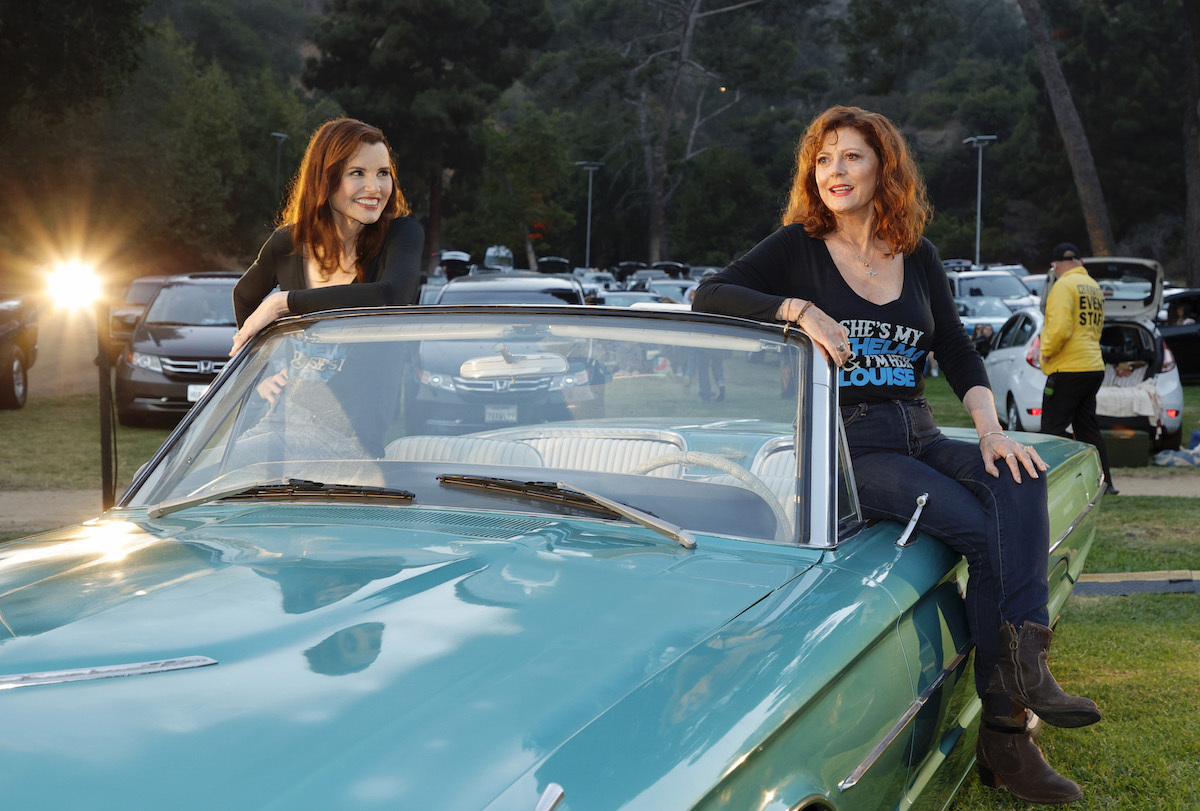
905	719
103	672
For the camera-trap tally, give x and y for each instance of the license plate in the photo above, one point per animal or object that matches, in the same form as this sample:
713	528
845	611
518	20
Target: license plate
500	414
196	391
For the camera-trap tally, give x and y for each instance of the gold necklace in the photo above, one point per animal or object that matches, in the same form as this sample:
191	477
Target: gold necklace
865	263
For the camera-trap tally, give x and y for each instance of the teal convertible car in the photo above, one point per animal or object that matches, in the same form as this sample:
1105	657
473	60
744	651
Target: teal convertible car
572	583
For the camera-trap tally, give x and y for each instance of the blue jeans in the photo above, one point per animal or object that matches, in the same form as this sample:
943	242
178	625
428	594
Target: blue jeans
999	525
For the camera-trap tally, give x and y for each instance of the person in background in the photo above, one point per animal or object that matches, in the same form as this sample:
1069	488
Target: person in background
1071	356
851	269
982	338
344	239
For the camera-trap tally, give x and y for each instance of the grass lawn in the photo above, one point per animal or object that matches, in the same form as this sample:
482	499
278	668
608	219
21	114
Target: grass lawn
53	443
1137	656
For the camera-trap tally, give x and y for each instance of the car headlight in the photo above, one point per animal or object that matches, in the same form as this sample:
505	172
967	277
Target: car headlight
435	379
144	361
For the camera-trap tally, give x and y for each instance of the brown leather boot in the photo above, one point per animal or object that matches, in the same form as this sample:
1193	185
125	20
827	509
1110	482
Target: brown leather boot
1023	673
1010	759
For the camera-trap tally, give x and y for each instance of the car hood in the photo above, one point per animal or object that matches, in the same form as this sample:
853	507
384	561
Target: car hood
184	341
347	639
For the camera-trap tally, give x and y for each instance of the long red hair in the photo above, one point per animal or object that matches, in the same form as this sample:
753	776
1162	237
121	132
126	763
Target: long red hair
308	211
901	205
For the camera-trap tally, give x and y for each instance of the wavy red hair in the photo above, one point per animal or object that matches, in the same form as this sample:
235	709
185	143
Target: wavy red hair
901	204
308	211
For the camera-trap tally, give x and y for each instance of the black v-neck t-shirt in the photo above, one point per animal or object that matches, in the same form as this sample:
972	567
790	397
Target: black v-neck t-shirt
890	341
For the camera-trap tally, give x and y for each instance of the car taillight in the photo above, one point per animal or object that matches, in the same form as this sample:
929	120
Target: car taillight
1034	356
1168	359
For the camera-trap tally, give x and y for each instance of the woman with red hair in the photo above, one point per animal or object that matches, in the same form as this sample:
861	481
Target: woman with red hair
344	239
851	268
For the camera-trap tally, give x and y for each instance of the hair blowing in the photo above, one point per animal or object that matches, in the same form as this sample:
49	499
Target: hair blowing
308	211
901	205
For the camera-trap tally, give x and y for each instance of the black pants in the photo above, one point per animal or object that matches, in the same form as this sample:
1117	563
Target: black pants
1070	399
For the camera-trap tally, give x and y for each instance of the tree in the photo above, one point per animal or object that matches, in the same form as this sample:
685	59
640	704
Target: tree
523	184
426	74
1191	143
65	55
1079	152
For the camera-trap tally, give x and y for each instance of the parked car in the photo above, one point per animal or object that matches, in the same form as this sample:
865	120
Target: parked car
957	265
1034	282
626	298
1139	366
676	270
179	346
18	347
640	280
1177	321
1016	269
997	283
976	310
677	289
515	287
676	604
600	278
123	315
555	264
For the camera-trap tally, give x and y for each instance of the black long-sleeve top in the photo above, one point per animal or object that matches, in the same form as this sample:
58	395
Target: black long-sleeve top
392	276
890	341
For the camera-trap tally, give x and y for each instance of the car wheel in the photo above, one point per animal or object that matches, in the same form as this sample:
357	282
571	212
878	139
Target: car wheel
1014	415
14	380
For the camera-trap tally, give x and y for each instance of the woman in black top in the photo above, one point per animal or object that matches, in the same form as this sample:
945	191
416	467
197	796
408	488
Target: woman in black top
344	239
851	268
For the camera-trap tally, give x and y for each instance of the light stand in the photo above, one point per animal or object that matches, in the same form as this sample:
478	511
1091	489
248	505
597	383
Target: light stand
979	142
590	167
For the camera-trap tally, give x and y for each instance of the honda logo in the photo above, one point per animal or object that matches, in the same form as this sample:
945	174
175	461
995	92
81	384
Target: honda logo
208	367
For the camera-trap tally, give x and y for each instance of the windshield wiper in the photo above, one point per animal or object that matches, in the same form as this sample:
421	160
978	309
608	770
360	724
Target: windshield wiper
295	488
569	494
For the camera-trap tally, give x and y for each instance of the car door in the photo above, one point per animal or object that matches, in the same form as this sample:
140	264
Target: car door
1008	349
1184	338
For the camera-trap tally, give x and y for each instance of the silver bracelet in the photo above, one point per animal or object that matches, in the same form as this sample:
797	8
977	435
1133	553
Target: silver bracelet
990	433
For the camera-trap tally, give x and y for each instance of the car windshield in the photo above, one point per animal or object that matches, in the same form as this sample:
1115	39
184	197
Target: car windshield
193	305
695	422
1004	285
981	306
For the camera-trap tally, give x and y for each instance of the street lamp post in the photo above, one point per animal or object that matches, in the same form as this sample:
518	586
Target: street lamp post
108	491
979	142
590	167
279	137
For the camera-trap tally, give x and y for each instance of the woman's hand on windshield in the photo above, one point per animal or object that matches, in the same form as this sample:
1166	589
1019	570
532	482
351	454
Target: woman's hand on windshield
272	307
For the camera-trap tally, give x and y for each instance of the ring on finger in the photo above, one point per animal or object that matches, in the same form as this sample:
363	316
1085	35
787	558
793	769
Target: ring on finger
841	347
1008	456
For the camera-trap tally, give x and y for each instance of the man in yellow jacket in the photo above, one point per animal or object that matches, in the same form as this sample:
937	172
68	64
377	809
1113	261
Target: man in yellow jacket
1071	355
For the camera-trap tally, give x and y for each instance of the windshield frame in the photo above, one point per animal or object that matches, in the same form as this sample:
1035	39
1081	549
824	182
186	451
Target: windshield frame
827	506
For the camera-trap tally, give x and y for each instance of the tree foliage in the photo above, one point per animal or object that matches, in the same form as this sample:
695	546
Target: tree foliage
66	54
153	131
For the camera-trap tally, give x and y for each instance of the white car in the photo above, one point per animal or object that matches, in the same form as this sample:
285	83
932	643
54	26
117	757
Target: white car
999	283
1142	391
